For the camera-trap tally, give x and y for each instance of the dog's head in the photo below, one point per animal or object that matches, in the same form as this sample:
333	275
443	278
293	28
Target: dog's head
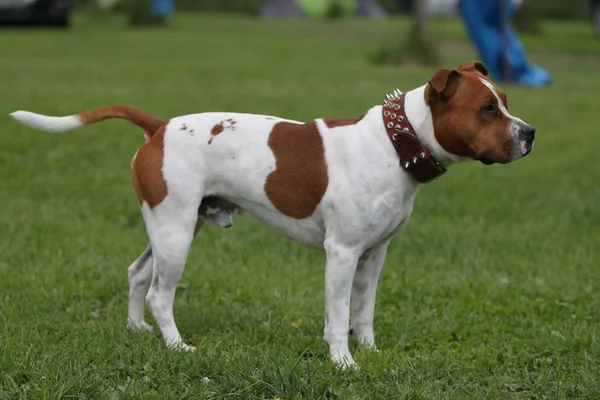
471	118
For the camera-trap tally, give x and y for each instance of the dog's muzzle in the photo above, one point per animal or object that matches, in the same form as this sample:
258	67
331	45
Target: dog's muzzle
525	137
519	144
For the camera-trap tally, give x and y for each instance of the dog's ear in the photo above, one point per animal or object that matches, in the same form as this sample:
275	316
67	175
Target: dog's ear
474	66
444	84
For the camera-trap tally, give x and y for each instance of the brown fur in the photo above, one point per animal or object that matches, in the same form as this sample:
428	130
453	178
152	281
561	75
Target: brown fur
140	118
146	171
300	179
336	122
456	98
218	128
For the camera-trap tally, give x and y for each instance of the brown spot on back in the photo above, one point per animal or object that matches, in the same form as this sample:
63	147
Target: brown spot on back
218	128
300	179
146	171
183	127
336	122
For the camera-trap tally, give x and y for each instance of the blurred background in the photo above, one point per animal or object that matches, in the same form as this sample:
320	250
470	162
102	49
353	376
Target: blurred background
491	290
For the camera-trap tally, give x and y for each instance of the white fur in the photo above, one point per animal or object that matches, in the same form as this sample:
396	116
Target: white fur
46	123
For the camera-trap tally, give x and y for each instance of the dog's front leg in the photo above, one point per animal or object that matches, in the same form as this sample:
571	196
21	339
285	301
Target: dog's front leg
340	268
364	289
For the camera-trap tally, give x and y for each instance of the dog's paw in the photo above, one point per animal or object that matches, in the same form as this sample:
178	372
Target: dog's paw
367	344
182	347
347	365
344	361
139	327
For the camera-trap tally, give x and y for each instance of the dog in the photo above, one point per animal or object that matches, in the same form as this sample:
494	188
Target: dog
345	186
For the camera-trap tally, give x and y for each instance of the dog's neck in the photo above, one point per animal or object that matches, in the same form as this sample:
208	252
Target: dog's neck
419	114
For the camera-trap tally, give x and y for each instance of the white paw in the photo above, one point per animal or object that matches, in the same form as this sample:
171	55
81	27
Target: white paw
182	347
139	326
368	344
344	361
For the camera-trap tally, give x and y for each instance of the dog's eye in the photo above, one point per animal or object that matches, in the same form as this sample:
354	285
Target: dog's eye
490	109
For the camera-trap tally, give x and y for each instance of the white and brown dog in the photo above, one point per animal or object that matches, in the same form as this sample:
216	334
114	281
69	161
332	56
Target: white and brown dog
343	185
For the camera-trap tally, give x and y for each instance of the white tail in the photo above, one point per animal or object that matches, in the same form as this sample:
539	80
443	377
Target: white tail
46	123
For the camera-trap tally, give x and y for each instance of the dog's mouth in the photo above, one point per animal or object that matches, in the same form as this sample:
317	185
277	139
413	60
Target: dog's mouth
487	160
525	146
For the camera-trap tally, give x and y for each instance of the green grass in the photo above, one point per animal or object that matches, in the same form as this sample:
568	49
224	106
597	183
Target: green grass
504	256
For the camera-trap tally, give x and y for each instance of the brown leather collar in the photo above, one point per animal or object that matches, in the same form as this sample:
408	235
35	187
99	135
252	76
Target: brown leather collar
415	158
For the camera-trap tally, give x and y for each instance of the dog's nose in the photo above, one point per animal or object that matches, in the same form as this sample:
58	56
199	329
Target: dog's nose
527	132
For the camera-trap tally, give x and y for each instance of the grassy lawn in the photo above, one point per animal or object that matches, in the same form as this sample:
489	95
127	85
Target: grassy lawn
490	292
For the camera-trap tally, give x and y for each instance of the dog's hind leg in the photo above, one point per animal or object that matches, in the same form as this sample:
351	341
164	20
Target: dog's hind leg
171	227
140	275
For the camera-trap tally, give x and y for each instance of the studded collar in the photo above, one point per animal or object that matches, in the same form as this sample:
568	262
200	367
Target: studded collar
415	158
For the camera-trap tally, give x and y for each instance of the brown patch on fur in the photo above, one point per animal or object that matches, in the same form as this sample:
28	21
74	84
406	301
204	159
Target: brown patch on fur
456	98
183	127
300	179
480	69
337	122
146	171
136	184
231	124
140	118
220	127
476	66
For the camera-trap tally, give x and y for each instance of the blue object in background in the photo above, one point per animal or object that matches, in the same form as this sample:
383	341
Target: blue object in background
496	41
162	8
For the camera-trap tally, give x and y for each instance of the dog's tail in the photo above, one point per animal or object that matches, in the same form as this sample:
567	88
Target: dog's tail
138	117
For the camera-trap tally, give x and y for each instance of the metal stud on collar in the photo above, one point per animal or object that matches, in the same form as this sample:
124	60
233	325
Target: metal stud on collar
406	165
393	115
400	118
386	113
390	124
398	128
394	95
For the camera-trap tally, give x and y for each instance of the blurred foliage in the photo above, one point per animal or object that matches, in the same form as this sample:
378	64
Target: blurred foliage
554	9
139	13
526	19
561	9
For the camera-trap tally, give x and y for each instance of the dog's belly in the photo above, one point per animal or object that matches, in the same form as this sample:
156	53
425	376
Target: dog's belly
309	232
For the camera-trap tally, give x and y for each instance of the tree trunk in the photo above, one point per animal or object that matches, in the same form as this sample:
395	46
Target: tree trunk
421	18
